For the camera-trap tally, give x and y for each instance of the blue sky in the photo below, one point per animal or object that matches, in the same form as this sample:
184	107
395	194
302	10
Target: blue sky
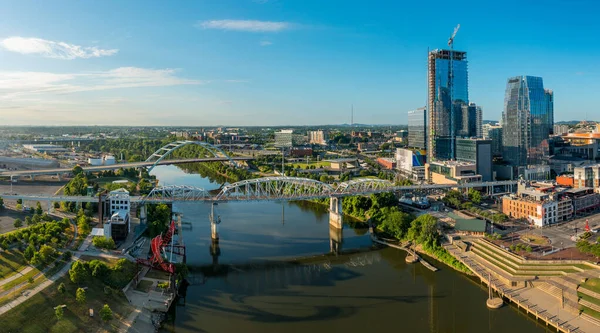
281	62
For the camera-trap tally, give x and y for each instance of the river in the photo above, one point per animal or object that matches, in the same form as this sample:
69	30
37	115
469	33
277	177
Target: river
368	291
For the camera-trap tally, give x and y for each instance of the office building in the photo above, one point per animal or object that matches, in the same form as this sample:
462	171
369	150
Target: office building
118	205
478	121
411	164
584	145
417	128
317	137
478	151
494	133
467	121
284	138
527	120
447	85
587	177
451	172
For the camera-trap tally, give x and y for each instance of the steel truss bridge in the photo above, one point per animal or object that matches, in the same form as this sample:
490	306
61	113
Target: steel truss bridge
271	188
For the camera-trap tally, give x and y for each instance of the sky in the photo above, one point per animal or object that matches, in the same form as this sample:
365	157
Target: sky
281	62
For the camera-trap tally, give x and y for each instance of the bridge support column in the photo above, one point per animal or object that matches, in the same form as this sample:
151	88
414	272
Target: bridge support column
215	251
32	177
335	212
143	214
336	238
214	223
59	177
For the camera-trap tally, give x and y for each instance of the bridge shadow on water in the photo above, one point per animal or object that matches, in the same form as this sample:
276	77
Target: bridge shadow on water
286	293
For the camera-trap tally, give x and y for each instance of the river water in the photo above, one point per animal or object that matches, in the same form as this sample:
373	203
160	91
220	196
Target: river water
367	291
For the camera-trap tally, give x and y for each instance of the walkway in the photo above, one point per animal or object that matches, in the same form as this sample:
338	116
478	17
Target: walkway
16	275
532	300
27	294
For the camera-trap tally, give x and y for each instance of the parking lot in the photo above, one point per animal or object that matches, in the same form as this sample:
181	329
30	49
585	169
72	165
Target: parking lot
560	235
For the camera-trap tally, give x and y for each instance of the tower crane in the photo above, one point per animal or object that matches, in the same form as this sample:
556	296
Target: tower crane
450	86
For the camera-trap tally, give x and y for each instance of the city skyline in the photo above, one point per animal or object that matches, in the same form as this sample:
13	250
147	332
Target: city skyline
275	62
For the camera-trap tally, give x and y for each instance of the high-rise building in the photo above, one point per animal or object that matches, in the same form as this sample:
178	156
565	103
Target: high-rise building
467	121
478	121
494	133
478	151
527	120
447	93
417	120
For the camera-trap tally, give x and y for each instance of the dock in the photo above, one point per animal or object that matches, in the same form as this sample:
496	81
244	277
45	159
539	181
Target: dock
403	248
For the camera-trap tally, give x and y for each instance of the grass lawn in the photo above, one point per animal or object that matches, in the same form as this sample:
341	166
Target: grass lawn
317	165
592	284
11	262
37	314
591	312
21	279
589	298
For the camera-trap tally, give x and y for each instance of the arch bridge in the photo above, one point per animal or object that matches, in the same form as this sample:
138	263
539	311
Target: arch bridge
166	150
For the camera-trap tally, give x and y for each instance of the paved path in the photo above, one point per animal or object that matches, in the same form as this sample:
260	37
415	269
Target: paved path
27	294
536	299
16	275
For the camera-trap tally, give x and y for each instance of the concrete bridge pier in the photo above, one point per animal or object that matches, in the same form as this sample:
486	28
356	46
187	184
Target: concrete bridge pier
336	238
214	223
335	213
215	251
143	214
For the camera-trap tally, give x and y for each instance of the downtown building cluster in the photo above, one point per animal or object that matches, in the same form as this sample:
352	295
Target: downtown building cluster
448	142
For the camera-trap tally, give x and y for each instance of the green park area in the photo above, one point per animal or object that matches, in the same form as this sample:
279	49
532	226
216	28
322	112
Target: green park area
310	165
89	285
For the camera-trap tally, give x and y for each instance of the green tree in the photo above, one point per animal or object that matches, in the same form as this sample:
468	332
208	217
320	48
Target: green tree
77	170
18	223
19	207
61	288
29	252
78	272
36	259
106	313
28	220
59	312
38	208
1	203
474	196
47	253
80	295
19	201
83	225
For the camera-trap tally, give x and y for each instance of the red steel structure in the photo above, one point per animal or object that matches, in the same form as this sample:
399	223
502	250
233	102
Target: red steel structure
157	245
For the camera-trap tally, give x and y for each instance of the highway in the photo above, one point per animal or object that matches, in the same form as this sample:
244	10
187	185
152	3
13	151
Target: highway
19	173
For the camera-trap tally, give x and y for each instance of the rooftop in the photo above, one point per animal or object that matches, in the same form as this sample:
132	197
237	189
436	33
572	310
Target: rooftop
473	225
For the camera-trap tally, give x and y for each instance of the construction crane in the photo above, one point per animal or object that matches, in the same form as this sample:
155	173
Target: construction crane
451	39
450	86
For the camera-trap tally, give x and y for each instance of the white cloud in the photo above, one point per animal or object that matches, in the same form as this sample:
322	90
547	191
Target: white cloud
22	84
265	43
52	49
245	25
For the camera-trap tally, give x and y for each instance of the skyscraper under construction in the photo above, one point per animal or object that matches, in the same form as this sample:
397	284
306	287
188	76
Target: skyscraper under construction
448	92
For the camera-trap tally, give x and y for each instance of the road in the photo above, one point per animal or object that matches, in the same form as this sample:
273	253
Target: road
560	235
19	173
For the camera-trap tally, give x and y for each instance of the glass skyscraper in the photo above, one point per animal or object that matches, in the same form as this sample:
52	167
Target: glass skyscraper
447	93
417	128
527	121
